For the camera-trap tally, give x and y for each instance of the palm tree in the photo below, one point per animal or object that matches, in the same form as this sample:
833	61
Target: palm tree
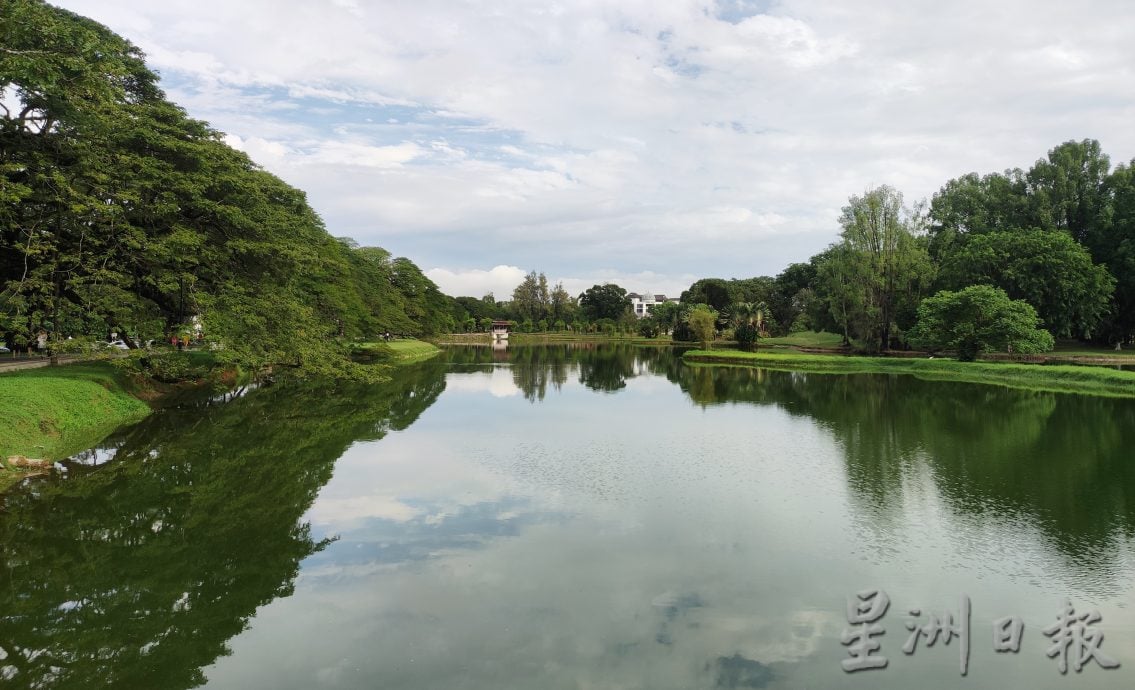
751	313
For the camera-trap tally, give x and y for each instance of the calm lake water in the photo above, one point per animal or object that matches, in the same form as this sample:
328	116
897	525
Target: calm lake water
592	517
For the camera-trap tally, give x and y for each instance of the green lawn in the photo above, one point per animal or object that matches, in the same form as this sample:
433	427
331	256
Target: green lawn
1055	378
404	351
1075	349
805	339
54	412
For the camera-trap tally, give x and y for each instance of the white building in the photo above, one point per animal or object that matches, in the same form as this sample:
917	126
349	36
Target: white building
641	304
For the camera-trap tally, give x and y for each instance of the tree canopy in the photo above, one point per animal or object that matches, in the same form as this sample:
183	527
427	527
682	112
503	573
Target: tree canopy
121	213
607	301
976	319
1047	269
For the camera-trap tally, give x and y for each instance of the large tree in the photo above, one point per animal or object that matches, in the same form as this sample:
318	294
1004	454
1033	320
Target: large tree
883	262
716	292
530	299
119	212
1046	268
791	294
607	301
1116	248
562	306
1068	187
979	318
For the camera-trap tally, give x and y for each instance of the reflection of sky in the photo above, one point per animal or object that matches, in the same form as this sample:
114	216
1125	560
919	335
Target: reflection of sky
497	383
637	541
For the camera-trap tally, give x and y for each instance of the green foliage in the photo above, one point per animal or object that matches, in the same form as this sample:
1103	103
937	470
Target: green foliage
607	301
648	328
1069	192
1048	269
977	319
888	266
790	299
530	300
717	293
746	336
165	365
605	326
121	213
702	322
666	315
1115	247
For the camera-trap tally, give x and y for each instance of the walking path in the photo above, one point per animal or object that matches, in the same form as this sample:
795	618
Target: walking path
15	364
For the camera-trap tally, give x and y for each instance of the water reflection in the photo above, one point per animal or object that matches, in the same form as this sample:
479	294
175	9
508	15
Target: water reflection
1061	462
569	516
135	573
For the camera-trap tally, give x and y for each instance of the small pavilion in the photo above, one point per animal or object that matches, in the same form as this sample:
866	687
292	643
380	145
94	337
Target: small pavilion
500	330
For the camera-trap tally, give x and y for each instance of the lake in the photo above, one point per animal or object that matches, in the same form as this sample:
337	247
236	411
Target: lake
592	516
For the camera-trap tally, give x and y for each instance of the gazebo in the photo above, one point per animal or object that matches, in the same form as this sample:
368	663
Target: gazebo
500	330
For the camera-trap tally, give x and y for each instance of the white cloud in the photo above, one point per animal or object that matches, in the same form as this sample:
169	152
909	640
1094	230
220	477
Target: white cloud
497	383
348	154
652	137
499	280
502	280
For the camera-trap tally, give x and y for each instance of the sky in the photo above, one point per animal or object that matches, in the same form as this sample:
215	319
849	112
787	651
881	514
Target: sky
644	142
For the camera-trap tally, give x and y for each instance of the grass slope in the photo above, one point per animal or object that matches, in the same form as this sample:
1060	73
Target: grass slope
1055	378
399	351
54	412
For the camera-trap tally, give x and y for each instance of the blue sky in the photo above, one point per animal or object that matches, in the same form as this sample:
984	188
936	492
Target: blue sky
645	142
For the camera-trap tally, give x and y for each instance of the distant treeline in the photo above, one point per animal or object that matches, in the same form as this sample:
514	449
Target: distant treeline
1059	237
120	213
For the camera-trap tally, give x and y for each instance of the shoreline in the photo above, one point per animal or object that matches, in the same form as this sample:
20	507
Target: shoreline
51	413
1053	378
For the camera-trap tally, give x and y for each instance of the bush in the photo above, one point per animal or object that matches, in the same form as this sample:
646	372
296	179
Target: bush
703	322
647	328
746	336
682	333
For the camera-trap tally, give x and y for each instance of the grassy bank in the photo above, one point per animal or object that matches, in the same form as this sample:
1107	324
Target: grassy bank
1055	378
398	351
808	339
54	412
